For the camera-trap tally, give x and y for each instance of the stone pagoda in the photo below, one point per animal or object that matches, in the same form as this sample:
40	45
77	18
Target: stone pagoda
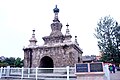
57	51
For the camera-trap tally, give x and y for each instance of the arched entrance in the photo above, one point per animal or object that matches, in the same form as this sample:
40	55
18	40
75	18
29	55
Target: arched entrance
46	62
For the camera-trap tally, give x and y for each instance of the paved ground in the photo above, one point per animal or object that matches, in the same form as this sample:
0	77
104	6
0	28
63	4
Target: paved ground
115	76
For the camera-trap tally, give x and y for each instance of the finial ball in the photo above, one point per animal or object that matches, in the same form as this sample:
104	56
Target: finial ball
56	9
75	36
33	30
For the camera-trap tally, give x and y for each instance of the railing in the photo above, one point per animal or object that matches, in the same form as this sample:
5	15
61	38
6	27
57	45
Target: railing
65	73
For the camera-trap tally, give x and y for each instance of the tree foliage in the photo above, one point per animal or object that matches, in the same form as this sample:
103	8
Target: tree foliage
108	35
18	62
11	62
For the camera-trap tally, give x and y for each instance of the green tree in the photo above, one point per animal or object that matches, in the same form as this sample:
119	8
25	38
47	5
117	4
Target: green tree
10	61
108	35
18	62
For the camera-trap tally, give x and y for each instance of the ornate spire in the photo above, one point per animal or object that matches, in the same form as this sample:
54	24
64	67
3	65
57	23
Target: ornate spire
33	39
67	35
67	30
56	11
56	35
76	40
56	26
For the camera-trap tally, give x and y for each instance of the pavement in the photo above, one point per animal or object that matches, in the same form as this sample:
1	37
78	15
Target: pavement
115	76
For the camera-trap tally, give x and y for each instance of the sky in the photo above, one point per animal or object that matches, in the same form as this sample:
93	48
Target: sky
19	17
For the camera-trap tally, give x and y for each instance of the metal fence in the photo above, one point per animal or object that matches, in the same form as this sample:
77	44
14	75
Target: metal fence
65	73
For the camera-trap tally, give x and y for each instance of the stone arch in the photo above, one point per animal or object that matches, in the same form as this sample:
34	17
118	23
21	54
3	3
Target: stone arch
46	62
